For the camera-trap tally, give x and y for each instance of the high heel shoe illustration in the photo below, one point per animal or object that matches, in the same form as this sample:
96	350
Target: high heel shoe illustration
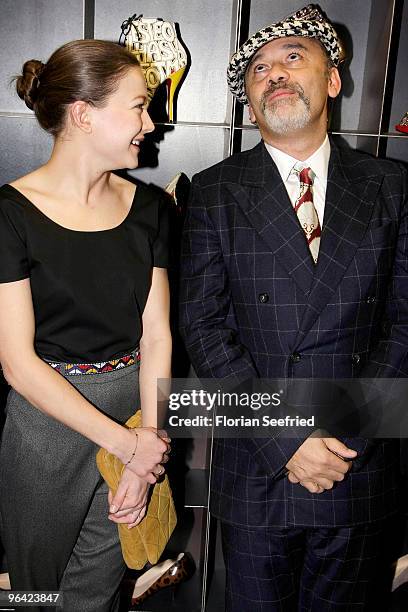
402	126
161	55
179	189
172	83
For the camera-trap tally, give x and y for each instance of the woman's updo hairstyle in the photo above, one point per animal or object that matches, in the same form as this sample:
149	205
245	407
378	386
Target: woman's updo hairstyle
27	84
87	70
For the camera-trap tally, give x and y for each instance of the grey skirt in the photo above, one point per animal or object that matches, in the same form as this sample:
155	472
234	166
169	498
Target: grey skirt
49	481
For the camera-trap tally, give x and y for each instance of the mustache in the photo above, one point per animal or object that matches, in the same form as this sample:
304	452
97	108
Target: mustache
295	87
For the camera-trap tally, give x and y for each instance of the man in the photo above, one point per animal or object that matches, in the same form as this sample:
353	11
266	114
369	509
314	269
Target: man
295	266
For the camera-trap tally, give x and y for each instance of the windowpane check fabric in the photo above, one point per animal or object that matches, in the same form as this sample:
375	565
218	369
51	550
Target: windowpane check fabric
306	570
253	304
251	299
306	211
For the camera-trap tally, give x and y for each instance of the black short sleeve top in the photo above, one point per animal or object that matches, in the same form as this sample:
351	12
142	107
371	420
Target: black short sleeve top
89	288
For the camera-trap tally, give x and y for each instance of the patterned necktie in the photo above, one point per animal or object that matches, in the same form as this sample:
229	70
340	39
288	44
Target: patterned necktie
306	211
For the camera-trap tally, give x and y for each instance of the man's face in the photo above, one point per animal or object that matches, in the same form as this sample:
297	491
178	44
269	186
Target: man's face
287	83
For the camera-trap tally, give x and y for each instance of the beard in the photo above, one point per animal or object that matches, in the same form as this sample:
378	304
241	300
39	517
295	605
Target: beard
287	114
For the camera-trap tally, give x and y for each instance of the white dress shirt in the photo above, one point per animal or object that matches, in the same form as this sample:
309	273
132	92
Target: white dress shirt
318	162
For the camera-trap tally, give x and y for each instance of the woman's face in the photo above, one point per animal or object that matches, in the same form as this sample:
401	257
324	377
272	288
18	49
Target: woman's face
119	127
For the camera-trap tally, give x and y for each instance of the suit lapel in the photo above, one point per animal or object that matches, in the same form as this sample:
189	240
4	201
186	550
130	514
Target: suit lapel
350	199
264	199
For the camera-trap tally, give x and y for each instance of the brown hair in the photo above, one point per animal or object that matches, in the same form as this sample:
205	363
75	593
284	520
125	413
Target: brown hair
87	70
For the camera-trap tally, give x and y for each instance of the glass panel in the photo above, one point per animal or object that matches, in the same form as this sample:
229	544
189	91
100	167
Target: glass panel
25	146
367	144
400	94
397	148
174	149
33	30
250	138
216	579
208	34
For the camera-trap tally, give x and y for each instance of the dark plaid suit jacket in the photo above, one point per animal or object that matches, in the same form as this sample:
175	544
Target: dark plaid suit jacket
254	305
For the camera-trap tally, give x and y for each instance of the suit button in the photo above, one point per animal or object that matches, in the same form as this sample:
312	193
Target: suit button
370	299
263	298
295	357
355	358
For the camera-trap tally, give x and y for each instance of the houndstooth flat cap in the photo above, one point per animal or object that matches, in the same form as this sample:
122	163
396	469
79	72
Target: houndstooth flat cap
309	21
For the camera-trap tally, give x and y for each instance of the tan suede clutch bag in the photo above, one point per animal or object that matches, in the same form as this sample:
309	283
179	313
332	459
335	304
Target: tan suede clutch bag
145	542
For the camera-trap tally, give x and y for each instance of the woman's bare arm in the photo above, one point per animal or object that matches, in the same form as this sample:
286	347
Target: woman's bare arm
48	391
155	347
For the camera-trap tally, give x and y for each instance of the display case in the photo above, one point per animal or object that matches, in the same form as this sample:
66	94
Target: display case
210	126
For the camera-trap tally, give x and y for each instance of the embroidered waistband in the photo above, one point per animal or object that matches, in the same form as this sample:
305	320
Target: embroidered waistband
101	367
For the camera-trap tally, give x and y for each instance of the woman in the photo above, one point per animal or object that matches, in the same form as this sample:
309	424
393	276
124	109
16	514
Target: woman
82	285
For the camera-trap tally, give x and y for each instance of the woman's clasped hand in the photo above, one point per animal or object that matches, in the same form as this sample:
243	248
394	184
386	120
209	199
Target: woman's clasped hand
129	504
150	449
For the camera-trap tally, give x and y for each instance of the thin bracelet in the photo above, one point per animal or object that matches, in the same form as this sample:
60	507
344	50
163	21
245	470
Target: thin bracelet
137	440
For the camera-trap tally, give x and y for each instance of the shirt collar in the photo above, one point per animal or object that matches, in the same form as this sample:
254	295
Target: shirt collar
318	161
